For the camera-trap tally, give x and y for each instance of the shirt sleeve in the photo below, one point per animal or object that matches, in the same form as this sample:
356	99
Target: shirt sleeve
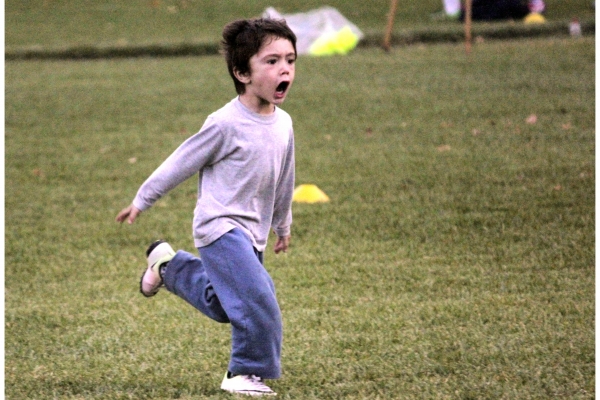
282	213
204	148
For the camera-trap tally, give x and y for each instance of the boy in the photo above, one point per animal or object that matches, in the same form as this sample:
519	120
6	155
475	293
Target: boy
244	156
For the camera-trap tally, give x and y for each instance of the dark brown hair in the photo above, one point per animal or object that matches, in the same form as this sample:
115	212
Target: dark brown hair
243	38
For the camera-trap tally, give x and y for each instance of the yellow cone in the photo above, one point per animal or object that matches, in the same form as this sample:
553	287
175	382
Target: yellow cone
309	194
535	18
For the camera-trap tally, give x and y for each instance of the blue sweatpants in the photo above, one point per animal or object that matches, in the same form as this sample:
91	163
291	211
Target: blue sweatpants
229	283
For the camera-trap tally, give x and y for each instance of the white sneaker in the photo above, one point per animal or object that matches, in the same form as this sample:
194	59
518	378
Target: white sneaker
158	254
250	385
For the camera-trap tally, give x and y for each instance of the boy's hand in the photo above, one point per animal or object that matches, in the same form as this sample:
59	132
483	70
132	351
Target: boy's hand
282	244
130	214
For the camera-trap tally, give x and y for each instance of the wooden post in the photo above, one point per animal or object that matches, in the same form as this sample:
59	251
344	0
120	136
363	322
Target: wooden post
468	23
387	40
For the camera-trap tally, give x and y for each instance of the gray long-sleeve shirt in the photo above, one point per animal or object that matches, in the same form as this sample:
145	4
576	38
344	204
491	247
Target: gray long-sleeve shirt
245	167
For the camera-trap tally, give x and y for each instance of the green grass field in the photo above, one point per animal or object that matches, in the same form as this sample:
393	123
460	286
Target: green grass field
455	260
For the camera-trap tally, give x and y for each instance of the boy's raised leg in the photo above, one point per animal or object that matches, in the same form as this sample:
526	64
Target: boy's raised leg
186	277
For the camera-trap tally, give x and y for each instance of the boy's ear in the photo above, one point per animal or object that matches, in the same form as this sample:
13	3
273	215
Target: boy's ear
244	78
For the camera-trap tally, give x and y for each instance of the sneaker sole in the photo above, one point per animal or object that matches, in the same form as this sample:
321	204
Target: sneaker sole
155	254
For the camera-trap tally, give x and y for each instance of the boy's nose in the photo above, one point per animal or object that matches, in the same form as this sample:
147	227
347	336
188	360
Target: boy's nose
287	68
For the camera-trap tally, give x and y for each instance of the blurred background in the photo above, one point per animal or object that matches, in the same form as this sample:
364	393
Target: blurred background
43	24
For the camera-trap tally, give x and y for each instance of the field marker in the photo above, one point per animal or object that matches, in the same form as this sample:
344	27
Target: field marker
390	25
468	23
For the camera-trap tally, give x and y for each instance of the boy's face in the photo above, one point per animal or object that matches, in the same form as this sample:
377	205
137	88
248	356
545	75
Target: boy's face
271	75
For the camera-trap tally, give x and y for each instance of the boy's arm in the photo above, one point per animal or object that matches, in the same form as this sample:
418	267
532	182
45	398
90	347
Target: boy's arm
203	148
282	213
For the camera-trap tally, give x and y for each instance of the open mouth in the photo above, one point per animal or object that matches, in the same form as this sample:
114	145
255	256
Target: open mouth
282	87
